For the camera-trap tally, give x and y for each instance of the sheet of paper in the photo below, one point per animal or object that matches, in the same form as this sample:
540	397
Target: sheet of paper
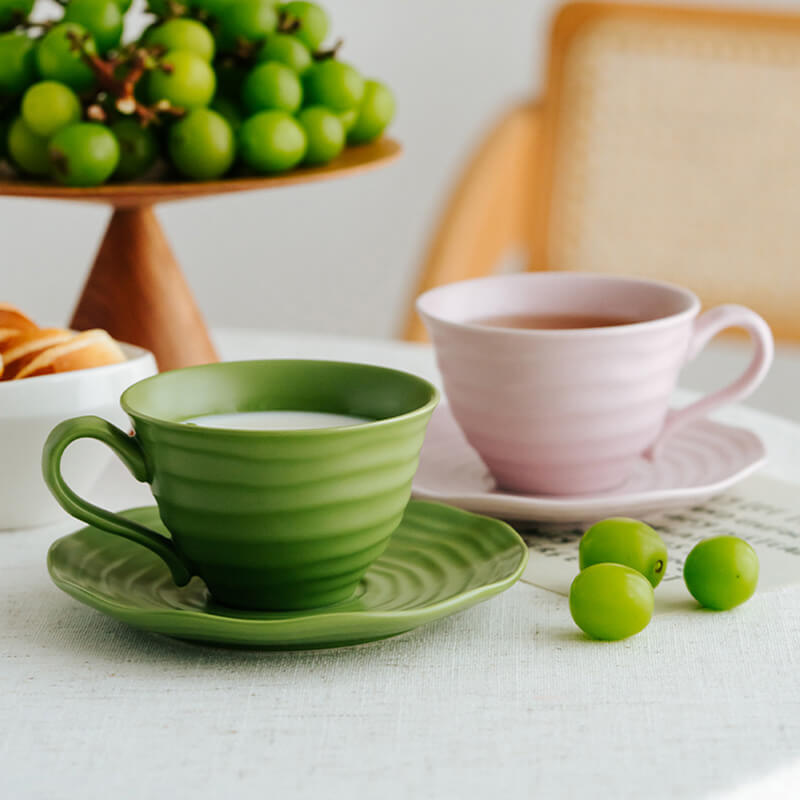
764	511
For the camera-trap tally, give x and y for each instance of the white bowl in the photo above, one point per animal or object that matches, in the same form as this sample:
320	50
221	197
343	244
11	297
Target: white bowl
32	407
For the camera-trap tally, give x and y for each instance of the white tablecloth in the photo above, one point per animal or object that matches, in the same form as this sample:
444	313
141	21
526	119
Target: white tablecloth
506	699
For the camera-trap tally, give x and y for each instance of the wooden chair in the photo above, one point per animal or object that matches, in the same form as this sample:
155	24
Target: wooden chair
666	145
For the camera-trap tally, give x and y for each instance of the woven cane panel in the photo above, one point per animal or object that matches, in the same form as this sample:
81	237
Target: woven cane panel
678	157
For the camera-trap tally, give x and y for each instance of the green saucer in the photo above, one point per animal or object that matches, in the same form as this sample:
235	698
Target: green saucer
439	561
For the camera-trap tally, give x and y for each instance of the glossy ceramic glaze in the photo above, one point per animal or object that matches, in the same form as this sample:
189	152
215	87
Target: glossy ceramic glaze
30	408
439	561
700	461
570	411
269	519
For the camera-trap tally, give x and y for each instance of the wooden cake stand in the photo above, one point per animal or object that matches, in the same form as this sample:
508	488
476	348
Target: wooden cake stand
136	289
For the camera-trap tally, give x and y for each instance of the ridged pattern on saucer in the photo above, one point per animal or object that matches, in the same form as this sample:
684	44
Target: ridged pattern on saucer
304	515
698	462
439	561
562	416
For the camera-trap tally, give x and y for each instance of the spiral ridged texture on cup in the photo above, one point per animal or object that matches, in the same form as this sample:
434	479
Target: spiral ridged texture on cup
559	411
283	519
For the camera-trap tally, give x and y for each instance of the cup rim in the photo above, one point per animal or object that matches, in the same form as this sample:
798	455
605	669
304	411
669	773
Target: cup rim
420	411
424	301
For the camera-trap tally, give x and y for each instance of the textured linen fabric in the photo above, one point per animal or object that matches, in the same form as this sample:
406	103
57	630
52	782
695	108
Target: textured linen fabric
507	698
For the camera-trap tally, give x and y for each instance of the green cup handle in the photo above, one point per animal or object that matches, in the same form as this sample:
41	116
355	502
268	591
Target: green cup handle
131	455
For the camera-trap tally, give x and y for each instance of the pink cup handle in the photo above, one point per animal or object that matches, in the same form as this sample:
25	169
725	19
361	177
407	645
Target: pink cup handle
706	327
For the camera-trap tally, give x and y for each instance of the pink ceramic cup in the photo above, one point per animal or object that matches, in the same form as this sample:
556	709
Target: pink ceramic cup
570	411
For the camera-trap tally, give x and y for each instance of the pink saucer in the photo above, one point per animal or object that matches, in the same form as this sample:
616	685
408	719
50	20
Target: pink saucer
696	463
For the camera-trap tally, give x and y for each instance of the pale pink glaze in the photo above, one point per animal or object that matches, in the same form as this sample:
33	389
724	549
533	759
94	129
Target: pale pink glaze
569	411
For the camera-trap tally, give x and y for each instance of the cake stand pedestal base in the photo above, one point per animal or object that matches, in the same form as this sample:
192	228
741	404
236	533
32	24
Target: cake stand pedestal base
137	292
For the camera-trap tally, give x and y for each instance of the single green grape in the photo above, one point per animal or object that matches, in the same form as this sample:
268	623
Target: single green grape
313	23
183	34
202	145
287	49
83	154
163	8
229	109
12	12
138	149
374	114
5	124
721	572
333	84
102	18
250	20
58	60
611	601
214	8
17	63
27	150
325	134
272	141
348	118
186	81
272	86
625	541
48	106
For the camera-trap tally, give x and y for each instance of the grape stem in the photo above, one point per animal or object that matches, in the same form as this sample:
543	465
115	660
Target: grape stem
288	23
331	52
138	60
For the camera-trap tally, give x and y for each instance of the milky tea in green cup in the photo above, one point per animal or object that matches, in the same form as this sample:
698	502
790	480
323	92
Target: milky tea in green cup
269	519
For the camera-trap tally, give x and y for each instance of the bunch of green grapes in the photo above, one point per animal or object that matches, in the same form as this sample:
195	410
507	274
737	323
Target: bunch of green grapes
211	86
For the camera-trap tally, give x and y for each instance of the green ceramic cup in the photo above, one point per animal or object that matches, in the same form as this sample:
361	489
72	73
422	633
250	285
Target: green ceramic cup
270	520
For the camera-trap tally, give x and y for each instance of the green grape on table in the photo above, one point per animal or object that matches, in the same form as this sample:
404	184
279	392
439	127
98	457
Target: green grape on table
272	86
48	106
229	109
202	145
272	141
248	20
312	22
721	573
334	84
625	541
17	63
102	18
374	114
325	134
611	601
287	49
187	81
12	12
138	149
183	34
26	150
58	60
83	154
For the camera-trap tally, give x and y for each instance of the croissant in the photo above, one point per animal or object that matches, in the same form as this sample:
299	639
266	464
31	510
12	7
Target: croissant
18	351
12	319
93	348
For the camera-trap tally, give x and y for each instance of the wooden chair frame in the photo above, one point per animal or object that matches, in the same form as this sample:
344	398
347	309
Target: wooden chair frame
502	200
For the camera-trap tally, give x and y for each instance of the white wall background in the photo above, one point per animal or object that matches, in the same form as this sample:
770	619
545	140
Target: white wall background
335	257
